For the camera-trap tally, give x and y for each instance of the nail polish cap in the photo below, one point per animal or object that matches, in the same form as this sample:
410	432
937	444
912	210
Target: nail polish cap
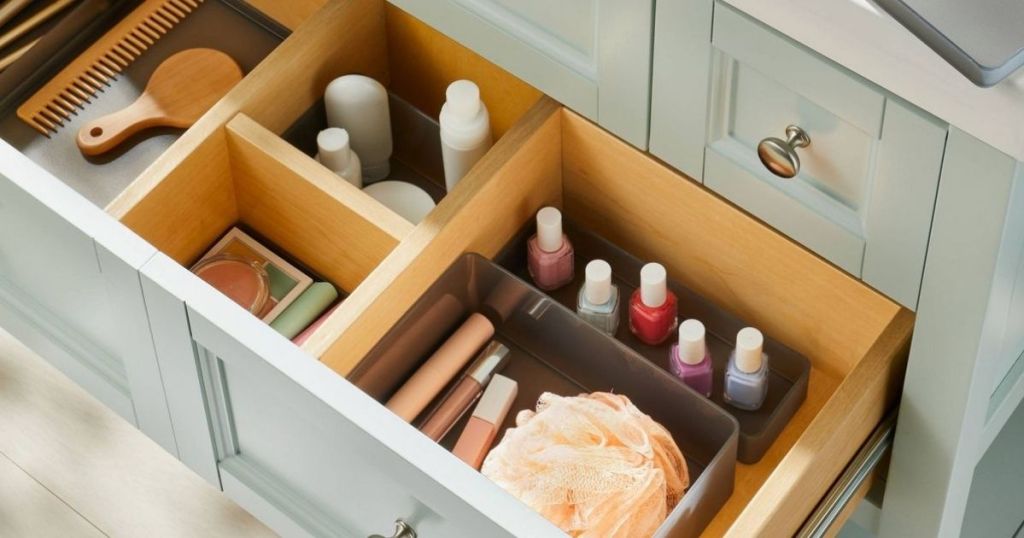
492	359
333	143
749	350
653	280
497	400
463	99
549	229
598	285
692	348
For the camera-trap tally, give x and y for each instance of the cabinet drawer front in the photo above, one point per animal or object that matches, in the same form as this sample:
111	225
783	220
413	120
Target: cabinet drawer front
591	55
867	181
69	288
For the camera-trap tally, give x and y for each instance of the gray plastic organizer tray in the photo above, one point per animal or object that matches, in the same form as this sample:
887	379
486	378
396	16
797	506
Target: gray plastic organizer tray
229	26
553	350
788	371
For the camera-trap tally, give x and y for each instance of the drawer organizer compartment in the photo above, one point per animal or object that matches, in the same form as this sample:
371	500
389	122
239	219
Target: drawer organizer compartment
855	339
551	351
789	371
231	159
236	29
254	180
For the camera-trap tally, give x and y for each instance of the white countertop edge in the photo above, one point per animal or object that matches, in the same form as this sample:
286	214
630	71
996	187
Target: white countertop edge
866	40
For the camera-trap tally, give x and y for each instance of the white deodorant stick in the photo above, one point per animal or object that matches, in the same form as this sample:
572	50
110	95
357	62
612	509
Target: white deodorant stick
359	105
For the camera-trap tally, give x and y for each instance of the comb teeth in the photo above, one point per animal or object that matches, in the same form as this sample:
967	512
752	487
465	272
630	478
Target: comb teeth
95	69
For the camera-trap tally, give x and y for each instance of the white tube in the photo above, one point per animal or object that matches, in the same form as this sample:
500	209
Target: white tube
465	130
337	155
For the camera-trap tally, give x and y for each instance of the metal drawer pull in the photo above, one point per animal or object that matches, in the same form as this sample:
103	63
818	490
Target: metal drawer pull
402	530
779	156
824	516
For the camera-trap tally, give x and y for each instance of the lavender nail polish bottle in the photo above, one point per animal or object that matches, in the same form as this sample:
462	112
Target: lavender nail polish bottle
746	378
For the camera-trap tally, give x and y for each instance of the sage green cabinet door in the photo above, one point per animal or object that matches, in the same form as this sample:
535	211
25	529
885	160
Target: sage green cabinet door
594	56
70	290
865	190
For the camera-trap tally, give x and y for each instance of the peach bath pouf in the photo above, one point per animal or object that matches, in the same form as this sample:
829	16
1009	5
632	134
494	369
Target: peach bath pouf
593	464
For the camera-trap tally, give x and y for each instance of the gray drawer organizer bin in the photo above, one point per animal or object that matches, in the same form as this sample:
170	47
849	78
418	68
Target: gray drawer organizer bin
789	371
553	350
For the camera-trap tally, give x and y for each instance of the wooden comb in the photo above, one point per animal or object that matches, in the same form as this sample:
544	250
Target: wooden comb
101	63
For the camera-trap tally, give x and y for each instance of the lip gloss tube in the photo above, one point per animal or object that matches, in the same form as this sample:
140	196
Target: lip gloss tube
475	441
461	398
424	385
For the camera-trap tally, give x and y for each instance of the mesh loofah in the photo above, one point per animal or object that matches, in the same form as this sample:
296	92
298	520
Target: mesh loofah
594	465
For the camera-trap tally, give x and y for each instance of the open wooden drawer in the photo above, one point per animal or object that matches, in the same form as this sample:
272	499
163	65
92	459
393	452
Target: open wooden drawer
293	441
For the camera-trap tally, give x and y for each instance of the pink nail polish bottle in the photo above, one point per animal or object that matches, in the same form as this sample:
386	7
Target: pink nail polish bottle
549	252
652	308
690	359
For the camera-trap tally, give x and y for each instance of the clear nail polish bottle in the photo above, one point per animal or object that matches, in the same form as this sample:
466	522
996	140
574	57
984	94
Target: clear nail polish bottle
652	308
690	359
549	252
598	301
746	378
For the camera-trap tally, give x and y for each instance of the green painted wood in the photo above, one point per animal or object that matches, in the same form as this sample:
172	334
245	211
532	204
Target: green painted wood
757	194
946	391
164	285
898	216
594	56
866	189
71	291
995	505
679	87
820	80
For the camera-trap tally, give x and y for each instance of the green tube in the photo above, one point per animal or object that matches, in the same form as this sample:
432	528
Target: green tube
305	309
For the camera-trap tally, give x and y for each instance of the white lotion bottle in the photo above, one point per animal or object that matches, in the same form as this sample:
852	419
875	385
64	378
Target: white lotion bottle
465	130
337	155
359	105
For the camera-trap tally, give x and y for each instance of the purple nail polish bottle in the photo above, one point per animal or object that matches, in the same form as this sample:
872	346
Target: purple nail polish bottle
690	359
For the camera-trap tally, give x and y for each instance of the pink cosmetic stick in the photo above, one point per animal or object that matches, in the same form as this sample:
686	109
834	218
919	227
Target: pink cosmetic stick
475	441
466	391
431	378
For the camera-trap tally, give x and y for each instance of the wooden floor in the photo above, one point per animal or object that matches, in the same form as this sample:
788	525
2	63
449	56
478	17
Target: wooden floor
70	467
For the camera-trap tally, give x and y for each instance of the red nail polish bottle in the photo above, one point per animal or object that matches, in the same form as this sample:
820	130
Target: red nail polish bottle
652	308
549	253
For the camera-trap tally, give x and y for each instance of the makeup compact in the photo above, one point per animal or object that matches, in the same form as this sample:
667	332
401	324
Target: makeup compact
244	281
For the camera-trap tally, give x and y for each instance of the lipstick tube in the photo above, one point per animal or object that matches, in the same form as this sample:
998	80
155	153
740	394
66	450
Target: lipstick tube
475	441
431	378
458	400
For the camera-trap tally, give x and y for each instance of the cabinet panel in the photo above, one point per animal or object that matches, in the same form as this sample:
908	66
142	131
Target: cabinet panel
69	288
592	55
866	183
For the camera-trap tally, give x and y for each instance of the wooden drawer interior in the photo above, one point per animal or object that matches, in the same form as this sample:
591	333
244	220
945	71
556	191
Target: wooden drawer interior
856	339
233	166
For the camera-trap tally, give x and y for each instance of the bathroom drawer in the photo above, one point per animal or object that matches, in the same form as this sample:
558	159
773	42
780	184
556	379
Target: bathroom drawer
867	181
591	55
307	451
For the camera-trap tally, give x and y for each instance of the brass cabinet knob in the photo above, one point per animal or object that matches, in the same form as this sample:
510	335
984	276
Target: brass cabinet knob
779	156
402	530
